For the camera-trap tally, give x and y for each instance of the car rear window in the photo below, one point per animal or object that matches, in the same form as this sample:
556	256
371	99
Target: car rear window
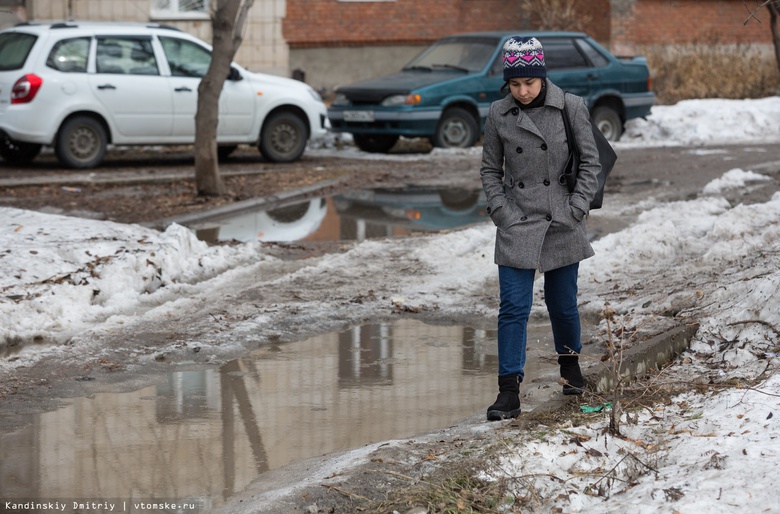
14	49
594	55
561	53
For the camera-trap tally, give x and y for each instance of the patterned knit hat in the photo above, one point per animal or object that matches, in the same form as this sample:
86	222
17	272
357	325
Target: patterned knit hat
523	57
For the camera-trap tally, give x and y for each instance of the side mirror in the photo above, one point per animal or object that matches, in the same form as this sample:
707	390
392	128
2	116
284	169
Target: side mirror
234	74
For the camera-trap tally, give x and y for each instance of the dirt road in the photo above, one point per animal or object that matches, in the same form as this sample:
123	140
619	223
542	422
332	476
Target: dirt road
150	185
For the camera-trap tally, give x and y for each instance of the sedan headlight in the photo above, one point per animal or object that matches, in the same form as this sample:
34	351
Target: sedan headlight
394	100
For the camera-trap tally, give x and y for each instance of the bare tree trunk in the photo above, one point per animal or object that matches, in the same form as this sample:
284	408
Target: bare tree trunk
774	14
227	21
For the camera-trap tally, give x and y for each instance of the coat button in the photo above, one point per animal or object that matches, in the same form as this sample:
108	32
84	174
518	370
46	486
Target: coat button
488	210
520	185
524	218
544	146
519	150
548	217
515	111
510	181
546	182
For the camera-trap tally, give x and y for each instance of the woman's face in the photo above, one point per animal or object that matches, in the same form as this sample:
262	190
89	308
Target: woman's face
525	89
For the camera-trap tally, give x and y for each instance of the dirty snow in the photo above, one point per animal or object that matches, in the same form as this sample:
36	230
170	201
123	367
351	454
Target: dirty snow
712	262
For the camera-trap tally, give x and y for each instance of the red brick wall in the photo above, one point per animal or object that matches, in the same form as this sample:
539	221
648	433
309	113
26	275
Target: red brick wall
317	23
666	22
618	24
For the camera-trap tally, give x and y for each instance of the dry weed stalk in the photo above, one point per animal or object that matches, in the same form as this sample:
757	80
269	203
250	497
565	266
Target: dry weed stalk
557	14
615	357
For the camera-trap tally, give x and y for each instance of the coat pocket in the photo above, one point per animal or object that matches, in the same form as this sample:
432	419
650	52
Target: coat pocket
511	215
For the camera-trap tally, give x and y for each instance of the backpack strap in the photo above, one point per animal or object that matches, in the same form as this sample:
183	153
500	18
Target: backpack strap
569	175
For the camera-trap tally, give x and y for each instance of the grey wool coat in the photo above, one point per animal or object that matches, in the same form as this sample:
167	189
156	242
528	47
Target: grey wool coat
539	223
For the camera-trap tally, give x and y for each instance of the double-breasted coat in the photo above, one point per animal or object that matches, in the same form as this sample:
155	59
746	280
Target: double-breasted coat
539	223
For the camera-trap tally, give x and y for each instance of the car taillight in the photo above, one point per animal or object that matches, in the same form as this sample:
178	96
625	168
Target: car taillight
25	89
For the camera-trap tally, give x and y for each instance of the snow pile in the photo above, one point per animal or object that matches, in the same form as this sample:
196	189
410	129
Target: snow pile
698	453
734	179
707	122
64	275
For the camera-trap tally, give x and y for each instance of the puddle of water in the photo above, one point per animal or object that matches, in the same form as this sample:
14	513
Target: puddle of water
356	215
204	435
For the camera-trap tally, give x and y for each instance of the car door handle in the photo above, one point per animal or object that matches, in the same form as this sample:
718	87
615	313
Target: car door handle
183	89
107	86
592	76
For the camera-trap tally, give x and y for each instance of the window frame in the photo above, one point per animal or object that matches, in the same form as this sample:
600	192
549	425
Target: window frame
175	13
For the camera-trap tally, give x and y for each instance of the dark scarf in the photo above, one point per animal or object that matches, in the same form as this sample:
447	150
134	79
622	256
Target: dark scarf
538	101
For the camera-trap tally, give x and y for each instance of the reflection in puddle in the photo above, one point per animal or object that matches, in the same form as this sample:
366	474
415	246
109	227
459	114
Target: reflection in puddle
205	435
356	215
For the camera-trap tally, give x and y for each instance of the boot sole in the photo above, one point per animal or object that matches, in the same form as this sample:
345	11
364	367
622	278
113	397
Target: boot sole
498	415
568	390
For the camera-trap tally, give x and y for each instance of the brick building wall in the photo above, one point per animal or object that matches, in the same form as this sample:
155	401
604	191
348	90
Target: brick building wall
637	24
338	23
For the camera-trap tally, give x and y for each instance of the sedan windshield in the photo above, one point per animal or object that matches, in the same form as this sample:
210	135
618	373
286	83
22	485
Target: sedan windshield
458	54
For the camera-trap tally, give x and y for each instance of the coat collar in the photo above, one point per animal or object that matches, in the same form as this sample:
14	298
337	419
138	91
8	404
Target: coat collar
554	99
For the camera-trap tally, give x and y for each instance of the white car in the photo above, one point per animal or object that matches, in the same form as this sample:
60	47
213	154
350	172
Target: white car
81	86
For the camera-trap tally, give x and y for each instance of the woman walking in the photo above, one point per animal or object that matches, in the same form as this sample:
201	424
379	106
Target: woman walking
540	224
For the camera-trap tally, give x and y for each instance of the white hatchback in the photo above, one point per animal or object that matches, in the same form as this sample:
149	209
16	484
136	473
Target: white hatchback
81	86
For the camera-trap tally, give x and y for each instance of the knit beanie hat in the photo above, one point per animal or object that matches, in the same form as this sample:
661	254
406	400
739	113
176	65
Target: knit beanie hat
523	57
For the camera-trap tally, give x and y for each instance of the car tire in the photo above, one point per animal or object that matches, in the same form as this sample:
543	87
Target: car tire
16	152
375	143
81	143
223	152
609	123
457	129
283	138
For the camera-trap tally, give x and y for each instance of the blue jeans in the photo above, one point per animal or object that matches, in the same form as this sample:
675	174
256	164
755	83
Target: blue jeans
560	296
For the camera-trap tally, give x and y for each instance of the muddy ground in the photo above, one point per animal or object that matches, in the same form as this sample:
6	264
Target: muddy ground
150	186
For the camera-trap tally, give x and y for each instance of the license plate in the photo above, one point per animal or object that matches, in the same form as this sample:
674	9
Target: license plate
358	115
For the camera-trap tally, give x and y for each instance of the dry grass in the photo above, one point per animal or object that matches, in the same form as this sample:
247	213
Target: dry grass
557	14
712	71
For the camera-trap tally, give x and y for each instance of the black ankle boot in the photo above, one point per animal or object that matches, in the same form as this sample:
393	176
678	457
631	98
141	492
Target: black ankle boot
571	373
508	402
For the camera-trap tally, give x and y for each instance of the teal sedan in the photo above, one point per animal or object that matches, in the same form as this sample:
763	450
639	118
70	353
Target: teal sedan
445	92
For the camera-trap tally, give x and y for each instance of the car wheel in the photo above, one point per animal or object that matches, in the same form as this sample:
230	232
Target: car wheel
16	152
459	199
81	143
223	152
608	122
457	129
375	143
283	138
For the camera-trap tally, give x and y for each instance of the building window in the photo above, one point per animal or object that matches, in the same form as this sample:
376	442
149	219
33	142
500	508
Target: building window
180	9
